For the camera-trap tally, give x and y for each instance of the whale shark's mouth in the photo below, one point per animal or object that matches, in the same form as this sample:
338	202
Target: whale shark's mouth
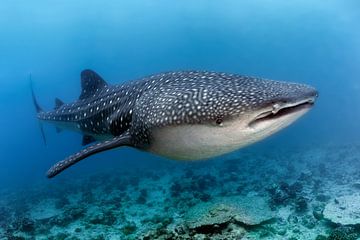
278	112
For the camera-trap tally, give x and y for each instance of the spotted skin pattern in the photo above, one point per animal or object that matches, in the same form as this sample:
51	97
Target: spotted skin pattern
130	111
96	148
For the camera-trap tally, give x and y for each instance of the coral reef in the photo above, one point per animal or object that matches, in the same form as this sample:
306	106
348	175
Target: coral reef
343	233
305	194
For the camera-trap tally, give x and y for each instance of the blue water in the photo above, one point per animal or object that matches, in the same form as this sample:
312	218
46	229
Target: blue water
313	42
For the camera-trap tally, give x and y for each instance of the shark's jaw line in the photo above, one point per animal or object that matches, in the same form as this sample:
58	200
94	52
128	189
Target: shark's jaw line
278	111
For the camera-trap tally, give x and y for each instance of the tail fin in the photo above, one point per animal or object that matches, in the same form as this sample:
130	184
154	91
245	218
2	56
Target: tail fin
37	106
38	110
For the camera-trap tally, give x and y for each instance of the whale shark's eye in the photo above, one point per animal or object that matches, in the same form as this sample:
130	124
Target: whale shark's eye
219	121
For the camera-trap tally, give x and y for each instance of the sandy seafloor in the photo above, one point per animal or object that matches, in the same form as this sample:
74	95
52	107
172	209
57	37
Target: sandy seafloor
283	194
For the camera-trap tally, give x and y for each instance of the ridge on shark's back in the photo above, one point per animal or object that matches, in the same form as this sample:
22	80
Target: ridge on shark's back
179	115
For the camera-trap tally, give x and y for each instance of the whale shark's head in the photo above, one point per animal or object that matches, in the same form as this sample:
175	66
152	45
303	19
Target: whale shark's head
213	119
271	106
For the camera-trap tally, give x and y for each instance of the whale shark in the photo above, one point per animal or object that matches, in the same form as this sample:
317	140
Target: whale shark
183	115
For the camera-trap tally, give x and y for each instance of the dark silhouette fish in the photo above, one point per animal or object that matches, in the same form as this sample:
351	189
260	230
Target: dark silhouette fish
179	115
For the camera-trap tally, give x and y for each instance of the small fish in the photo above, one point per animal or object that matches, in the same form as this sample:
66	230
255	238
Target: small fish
185	115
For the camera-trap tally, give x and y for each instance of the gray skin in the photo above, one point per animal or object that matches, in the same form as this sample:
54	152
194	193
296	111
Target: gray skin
184	115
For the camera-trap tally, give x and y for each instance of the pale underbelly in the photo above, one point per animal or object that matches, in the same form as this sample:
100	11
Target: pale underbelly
195	142
192	142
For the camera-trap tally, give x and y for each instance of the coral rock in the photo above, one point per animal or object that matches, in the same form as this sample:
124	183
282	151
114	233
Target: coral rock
345	210
247	210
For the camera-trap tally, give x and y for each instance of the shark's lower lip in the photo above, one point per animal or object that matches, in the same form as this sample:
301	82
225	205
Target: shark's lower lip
271	115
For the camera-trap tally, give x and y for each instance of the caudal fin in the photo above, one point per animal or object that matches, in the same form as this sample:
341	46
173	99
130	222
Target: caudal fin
38	110
36	104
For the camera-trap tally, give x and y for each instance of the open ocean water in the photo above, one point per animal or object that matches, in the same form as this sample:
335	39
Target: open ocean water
301	183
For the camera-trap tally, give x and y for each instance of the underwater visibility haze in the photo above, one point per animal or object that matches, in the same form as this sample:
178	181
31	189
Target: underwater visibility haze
171	78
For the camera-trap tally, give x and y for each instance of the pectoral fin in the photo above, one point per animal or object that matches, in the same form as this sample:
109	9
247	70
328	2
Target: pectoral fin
122	140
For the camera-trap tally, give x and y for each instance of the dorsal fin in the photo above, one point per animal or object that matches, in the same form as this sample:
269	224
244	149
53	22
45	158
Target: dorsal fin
91	82
58	103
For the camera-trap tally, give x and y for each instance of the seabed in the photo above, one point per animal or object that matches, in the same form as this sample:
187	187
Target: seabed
287	194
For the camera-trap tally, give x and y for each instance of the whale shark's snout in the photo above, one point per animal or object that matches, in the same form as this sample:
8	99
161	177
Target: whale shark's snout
289	94
291	101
